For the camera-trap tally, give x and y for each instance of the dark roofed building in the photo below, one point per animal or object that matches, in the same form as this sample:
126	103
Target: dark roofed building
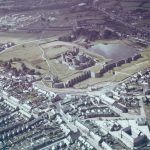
128	130
121	107
140	140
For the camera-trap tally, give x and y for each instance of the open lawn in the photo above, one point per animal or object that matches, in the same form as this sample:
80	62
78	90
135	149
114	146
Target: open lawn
29	53
60	70
56	48
17	37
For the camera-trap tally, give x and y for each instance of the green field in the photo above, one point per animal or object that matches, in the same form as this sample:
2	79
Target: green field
32	55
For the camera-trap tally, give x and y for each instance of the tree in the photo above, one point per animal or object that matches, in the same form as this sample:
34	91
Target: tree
24	68
66	18
10	61
38	73
15	72
43	19
32	71
16	59
22	65
5	64
38	67
8	65
107	34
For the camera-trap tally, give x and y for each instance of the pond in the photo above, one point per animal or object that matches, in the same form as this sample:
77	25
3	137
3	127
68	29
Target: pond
114	51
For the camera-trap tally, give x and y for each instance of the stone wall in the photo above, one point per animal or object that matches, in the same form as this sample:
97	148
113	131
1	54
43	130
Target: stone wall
88	74
110	66
70	83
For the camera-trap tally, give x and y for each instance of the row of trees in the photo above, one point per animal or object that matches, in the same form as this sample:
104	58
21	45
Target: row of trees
23	71
67	38
90	35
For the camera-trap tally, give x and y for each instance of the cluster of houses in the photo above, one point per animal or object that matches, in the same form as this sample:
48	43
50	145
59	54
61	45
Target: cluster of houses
123	98
28	113
134	133
86	107
6	45
133	137
76	60
126	96
79	108
15	123
142	79
130	134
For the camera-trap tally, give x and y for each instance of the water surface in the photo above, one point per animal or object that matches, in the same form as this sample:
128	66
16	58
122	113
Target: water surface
114	51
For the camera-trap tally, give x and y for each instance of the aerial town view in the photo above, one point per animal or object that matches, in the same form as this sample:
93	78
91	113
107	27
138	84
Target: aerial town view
74	74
